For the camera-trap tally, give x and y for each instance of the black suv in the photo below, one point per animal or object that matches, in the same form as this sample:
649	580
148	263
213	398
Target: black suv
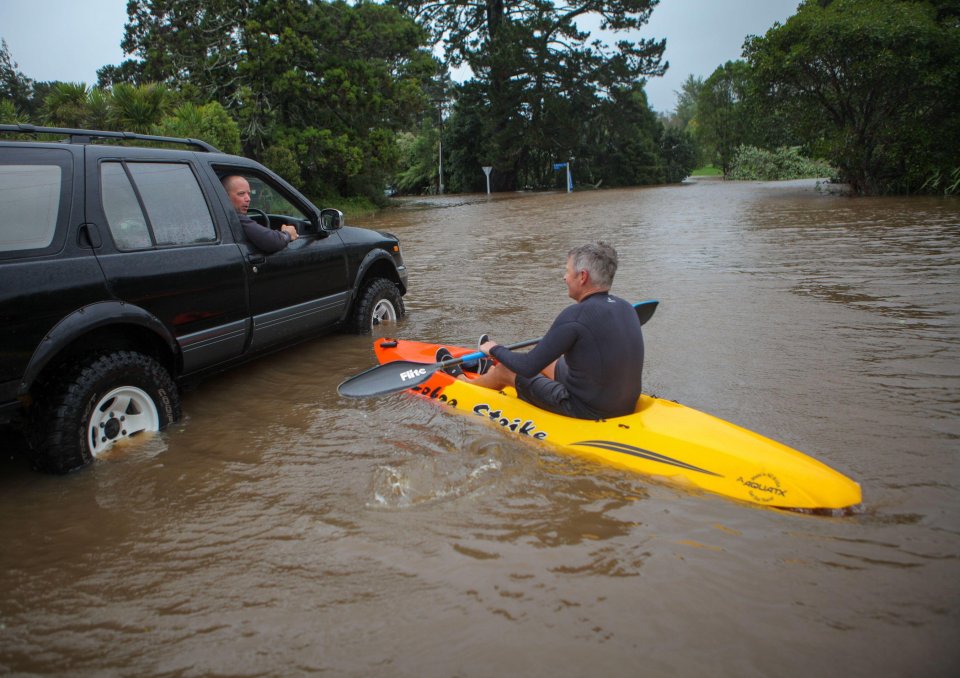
124	270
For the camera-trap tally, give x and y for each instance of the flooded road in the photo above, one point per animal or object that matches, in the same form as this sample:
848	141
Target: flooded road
282	530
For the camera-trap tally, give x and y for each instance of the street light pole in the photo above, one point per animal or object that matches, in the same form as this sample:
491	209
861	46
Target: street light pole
440	144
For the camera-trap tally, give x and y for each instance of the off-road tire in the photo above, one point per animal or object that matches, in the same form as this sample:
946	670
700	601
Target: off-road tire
59	428
377	297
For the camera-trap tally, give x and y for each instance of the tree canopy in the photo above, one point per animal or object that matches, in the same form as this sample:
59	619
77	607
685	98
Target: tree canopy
540	82
16	89
871	85
325	86
721	111
345	98
342	98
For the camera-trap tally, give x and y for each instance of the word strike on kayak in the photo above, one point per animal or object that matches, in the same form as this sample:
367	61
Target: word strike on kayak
526	429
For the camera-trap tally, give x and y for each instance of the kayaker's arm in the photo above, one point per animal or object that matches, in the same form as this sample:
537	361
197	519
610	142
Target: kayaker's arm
558	340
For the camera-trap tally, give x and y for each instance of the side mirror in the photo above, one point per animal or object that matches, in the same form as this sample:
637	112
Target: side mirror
331	219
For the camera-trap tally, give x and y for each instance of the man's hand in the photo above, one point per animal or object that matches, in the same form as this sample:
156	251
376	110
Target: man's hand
290	230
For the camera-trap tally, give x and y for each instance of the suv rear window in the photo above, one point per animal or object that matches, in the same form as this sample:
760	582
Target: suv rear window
29	203
149	203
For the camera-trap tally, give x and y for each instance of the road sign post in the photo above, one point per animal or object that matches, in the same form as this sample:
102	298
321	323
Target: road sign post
487	170
566	166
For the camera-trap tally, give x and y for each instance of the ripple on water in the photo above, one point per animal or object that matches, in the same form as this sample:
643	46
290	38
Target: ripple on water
425	480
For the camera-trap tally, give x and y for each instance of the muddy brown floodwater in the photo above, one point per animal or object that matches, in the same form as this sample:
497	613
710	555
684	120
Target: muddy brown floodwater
282	530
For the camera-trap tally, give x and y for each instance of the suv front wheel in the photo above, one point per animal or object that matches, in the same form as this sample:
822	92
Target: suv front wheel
380	302
99	402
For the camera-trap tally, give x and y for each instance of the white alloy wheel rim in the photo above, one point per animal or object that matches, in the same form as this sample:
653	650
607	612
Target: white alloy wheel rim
122	413
383	312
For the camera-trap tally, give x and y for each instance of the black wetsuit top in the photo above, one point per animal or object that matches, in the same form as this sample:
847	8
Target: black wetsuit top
263	238
600	346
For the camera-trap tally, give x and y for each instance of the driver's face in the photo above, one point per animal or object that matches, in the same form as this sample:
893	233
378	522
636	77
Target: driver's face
239	192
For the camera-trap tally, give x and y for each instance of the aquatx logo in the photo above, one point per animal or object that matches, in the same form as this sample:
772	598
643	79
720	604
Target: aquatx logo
763	487
412	374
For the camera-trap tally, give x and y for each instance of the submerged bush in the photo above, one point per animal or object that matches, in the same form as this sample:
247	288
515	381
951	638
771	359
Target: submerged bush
758	164
942	182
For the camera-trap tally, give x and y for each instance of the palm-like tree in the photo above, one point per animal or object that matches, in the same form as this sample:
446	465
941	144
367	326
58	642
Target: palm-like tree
98	109
209	122
138	109
66	105
10	115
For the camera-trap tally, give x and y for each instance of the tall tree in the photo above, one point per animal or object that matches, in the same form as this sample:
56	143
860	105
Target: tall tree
679	154
534	60
465	139
873	83
686	110
336	83
721	112
15	88
625	141
194	44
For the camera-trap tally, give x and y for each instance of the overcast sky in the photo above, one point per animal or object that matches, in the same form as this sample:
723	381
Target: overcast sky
70	39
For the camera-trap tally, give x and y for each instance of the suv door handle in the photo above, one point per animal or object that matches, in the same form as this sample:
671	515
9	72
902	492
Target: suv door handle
88	236
255	261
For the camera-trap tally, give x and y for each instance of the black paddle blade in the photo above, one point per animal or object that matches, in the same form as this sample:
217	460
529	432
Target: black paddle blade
387	378
645	309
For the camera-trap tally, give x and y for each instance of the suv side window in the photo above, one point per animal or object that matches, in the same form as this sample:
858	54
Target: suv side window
265	197
120	204
150	203
30	204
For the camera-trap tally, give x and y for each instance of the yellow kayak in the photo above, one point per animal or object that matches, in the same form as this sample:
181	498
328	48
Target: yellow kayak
661	438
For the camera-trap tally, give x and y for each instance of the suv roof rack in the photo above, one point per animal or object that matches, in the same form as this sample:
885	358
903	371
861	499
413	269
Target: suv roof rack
85	136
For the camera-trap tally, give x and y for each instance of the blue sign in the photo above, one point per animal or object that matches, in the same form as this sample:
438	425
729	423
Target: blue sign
559	165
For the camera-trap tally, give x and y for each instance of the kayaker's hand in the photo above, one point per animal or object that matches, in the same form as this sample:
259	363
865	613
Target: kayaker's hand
486	346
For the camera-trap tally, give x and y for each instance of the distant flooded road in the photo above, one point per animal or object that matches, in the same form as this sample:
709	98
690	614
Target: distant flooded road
281	530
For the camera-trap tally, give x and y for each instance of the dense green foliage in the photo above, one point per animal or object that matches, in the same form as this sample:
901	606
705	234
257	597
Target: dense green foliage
722	121
860	84
543	92
209	122
622	147
319	88
750	162
145	109
346	99
16	90
418	161
871	86
729	113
